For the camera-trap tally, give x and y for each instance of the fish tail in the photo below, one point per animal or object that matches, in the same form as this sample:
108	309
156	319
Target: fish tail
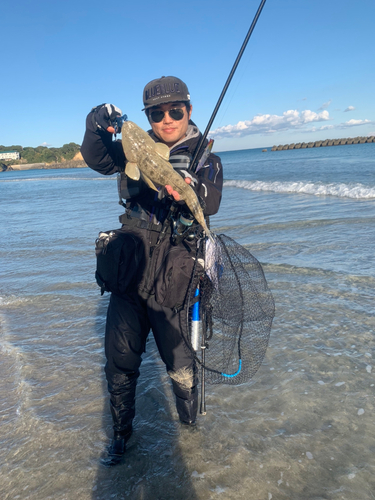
208	233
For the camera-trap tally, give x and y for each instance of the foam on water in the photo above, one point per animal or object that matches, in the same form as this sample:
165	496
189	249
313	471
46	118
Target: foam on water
355	190
12	361
12	300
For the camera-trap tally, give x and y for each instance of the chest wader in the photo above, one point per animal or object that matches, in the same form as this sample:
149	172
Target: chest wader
170	247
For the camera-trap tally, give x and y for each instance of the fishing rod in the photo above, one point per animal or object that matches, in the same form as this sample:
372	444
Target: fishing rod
193	166
229	79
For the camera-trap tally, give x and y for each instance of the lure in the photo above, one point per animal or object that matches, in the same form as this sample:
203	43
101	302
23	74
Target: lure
205	155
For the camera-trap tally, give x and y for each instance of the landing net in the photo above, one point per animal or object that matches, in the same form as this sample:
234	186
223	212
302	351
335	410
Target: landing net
236	312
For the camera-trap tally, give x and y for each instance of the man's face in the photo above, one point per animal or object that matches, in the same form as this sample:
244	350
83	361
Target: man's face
169	130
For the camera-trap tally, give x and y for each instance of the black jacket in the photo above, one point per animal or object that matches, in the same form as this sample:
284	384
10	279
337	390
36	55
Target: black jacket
106	156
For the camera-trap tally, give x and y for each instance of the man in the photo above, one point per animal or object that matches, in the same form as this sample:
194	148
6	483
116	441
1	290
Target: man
149	298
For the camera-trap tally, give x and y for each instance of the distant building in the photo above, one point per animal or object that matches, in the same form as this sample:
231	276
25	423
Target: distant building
9	155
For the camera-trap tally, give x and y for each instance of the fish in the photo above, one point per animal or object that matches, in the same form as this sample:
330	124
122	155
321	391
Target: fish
148	160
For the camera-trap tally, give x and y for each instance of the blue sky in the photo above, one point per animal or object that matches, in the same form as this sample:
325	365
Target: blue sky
308	72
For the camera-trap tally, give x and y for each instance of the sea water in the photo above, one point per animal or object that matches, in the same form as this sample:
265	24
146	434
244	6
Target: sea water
303	428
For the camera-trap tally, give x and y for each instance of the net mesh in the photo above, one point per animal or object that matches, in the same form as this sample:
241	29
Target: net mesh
236	312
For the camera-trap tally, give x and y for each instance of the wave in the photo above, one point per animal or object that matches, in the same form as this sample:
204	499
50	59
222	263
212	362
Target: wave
355	191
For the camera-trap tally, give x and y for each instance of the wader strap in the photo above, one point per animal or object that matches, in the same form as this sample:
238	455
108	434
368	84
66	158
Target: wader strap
127	220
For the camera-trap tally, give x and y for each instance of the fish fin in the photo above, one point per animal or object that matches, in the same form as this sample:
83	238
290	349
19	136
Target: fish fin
162	150
149	182
132	171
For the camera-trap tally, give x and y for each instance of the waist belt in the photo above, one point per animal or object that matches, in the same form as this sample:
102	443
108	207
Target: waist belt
127	220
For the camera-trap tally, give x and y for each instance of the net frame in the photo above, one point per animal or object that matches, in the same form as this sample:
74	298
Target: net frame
237	310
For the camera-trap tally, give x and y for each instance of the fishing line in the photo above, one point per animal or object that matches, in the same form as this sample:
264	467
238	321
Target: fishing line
233	93
227	83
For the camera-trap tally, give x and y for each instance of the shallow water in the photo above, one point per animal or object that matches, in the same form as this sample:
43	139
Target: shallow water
301	429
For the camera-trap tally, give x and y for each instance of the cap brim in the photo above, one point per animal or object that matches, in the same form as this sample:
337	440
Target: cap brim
163	102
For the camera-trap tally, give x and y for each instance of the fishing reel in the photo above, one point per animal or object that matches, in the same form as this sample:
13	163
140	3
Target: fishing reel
183	227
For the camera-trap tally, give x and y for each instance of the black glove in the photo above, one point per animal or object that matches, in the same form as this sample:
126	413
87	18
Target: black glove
108	117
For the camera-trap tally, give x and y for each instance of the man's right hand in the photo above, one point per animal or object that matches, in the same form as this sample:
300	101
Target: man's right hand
105	115
175	195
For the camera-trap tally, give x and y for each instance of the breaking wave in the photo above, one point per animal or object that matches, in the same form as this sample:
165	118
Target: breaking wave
354	190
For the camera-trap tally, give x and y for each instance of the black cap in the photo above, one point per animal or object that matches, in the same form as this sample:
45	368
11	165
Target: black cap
163	90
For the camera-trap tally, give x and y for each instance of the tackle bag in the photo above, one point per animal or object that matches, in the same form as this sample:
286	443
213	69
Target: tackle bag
118	258
173	273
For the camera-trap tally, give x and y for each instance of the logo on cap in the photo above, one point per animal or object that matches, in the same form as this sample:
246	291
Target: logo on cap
162	90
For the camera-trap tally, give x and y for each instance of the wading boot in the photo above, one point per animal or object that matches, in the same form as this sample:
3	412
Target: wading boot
116	450
187	408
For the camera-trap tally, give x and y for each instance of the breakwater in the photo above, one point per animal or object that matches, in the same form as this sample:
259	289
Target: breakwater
327	142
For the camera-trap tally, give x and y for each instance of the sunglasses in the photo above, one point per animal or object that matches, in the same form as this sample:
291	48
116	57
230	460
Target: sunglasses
175	113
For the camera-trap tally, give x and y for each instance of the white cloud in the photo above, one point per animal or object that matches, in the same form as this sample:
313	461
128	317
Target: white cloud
349	108
318	129
325	105
326	127
344	125
45	144
269	124
354	123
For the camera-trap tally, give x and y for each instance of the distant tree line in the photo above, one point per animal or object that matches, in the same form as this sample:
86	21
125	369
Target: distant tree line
43	154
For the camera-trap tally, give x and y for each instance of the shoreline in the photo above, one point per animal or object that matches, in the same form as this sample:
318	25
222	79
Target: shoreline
46	166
